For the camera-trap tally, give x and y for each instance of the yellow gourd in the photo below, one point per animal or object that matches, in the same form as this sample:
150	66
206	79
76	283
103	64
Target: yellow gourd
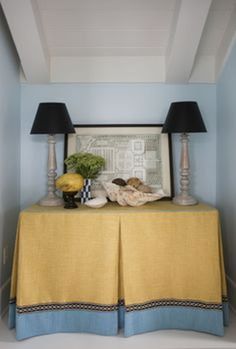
70	182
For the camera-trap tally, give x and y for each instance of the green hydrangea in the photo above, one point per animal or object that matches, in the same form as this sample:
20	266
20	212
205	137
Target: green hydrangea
87	165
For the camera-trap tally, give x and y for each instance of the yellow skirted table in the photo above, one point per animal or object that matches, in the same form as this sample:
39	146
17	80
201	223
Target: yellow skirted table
153	267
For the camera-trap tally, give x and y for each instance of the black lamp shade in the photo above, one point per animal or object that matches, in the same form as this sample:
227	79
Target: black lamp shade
52	118
184	117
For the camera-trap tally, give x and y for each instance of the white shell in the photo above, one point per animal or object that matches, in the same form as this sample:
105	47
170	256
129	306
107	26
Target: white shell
128	195
97	202
136	198
112	190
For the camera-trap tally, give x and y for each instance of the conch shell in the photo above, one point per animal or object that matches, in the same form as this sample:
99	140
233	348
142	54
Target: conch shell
129	196
134	181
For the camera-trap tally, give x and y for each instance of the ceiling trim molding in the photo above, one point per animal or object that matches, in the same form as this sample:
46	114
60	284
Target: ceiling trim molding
185	41
27	34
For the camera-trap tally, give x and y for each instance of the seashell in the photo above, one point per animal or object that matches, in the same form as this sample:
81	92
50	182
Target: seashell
128	188
119	181
137	198
134	181
97	202
112	190
128	195
144	188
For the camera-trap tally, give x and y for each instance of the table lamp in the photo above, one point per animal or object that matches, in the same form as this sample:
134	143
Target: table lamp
52	118
184	118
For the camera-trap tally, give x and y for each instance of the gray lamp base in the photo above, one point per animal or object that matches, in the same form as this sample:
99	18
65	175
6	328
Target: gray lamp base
50	200
184	200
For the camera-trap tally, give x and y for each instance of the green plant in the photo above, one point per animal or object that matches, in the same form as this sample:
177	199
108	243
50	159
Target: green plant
86	164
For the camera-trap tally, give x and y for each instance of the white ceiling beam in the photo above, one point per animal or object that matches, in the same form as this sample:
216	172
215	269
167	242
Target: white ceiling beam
185	39
226	45
23	20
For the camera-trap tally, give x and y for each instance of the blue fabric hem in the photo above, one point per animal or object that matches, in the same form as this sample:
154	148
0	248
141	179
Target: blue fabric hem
183	318
107	323
39	323
121	317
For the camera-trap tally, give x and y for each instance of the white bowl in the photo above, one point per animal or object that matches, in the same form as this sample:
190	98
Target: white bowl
97	202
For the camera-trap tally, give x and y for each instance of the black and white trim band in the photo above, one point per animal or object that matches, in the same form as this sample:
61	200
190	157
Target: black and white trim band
115	307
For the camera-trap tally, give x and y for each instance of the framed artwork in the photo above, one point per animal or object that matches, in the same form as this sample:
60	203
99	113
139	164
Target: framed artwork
129	150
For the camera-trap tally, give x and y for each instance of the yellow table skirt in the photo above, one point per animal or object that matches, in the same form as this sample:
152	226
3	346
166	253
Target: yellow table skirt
156	266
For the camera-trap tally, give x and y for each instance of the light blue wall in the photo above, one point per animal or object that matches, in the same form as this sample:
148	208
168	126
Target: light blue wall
226	163
9	152
117	103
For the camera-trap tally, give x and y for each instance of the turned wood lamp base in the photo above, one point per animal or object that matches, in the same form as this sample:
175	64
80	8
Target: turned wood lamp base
51	199
184	198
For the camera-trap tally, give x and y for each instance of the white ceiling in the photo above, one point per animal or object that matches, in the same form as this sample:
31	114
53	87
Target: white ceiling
174	41
107	28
